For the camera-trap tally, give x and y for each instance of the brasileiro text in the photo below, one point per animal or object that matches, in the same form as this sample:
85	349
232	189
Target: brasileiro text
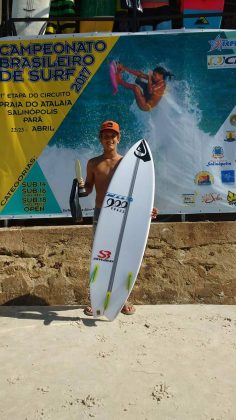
50	61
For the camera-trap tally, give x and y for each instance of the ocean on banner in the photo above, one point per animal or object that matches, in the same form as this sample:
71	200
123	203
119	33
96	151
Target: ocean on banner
179	154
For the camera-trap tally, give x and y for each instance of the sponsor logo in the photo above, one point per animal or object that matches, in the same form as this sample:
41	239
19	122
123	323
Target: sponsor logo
118	196
204	178
228	177
189	199
218	154
212	163
232	119
117	202
211	198
222	44
142	152
221	61
104	255
231	198
230	136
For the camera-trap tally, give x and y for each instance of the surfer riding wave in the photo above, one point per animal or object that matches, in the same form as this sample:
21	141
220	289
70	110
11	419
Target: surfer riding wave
148	88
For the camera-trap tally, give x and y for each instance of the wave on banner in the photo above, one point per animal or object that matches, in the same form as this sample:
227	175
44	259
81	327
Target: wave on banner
180	153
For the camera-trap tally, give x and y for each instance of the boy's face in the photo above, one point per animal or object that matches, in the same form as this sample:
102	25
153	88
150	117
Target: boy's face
157	77
109	139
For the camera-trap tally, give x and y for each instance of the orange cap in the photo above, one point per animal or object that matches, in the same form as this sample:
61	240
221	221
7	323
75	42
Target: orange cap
110	125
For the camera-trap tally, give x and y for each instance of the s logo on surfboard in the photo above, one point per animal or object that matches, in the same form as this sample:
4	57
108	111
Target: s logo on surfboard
104	255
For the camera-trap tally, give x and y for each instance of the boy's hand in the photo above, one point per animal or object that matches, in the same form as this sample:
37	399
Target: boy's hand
154	213
81	183
120	67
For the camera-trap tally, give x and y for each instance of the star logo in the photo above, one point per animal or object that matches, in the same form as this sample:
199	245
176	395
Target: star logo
216	44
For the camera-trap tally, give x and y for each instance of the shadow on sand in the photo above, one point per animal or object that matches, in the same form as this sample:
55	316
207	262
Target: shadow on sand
36	308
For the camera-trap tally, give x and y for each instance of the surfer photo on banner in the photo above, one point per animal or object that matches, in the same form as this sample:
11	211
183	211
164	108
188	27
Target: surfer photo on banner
100	171
148	88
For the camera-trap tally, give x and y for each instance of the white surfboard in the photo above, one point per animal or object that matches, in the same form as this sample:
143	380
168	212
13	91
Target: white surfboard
30	9
122	232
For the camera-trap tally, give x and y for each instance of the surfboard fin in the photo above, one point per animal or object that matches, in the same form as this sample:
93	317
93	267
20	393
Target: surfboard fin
107	300
129	280
94	274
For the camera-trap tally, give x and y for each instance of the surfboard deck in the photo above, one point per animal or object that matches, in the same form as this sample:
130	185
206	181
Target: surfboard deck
202	7
122	232
30	9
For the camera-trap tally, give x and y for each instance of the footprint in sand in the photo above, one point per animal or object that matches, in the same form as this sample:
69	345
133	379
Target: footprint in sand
161	391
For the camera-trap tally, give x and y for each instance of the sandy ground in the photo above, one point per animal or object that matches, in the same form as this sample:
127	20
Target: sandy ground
164	362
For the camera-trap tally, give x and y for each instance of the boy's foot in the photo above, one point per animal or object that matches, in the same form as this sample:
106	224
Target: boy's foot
128	309
88	311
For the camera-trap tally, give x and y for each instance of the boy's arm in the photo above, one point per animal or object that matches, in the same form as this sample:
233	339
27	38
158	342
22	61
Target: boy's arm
134	72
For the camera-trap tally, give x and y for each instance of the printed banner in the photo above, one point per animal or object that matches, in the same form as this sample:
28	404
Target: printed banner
176	90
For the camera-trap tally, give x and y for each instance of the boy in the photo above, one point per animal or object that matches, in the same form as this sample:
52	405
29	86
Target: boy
100	170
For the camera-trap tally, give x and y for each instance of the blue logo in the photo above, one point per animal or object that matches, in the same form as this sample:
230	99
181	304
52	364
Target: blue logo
228	177
222	44
117	202
218	152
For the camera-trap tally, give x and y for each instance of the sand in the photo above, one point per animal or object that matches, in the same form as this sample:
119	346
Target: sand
165	362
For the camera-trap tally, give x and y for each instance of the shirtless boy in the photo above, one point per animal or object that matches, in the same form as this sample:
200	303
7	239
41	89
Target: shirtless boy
100	170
